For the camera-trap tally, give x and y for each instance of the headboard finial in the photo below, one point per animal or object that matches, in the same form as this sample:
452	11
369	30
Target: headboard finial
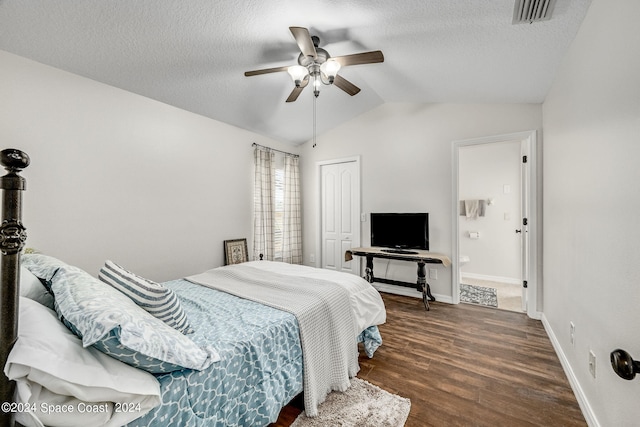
14	160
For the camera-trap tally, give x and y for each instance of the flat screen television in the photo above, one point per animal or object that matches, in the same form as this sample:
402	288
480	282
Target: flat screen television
400	230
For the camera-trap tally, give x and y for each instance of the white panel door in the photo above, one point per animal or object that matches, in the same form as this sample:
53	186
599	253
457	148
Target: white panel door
340	213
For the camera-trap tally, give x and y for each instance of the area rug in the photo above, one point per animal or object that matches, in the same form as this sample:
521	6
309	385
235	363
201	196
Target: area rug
478	295
362	405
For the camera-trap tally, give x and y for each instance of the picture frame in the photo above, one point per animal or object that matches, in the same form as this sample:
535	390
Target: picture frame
235	251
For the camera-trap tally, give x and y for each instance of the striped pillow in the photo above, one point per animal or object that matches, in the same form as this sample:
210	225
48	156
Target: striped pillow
159	301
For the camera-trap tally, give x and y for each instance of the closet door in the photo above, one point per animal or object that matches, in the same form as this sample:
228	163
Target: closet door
340	213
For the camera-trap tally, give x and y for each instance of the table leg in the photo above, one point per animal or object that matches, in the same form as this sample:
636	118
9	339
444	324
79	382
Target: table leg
423	286
368	272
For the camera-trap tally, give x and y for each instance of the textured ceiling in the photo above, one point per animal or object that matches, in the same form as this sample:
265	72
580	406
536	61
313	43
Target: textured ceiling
192	54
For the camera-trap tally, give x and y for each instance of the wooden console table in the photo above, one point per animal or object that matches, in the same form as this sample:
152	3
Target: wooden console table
419	256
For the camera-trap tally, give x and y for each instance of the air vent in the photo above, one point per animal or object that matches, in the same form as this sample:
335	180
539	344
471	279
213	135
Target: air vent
530	11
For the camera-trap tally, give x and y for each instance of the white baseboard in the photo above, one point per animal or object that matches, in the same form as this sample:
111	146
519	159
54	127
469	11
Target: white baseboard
397	290
586	409
443	298
507	280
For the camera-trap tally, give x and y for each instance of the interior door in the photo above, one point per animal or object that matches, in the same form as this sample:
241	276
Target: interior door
340	212
524	238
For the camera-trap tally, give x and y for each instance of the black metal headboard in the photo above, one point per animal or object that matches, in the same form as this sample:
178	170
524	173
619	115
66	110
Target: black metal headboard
12	237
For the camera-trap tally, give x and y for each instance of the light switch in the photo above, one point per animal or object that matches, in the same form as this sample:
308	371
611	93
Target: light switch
506	189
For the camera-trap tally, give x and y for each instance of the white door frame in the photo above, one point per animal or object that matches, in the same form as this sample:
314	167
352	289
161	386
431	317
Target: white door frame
357	238
532	283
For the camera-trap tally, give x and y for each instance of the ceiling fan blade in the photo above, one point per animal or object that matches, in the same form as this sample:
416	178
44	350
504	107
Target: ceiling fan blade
345	85
305	43
297	91
294	94
265	71
360	58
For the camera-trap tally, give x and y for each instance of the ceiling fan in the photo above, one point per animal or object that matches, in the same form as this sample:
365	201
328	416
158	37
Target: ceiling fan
316	65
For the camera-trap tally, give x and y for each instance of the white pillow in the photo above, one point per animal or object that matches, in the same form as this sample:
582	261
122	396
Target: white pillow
31	287
51	367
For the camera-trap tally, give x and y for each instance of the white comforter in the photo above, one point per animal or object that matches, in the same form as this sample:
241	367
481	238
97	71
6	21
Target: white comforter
366	302
331	309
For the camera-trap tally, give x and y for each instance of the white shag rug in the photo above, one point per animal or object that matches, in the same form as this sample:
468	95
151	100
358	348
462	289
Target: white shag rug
362	405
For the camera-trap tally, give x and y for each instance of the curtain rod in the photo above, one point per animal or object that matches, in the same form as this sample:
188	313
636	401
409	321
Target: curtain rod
273	149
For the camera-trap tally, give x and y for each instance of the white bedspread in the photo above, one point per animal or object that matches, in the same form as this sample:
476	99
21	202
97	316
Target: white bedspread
331	308
366	302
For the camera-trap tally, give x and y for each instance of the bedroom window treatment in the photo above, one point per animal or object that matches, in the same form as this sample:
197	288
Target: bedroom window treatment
263	204
291	221
277	207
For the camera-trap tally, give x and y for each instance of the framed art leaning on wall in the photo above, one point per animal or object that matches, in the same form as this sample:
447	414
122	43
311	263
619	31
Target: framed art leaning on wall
235	251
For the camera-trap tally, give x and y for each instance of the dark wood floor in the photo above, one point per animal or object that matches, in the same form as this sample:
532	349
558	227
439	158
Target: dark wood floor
463	365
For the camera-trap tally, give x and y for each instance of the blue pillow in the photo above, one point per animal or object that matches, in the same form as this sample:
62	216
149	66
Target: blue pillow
111	345
161	302
113	323
44	267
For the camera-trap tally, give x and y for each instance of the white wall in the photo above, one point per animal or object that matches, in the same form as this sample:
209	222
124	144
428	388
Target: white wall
406	161
120	176
484	170
591	205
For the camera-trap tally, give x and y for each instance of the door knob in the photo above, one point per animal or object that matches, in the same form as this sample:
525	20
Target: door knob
624	365
518	231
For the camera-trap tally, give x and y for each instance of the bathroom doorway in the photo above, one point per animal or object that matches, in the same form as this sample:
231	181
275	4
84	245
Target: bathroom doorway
492	183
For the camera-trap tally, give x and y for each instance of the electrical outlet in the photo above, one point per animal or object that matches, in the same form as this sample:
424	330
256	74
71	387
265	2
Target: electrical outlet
433	273
572	333
592	363
312	257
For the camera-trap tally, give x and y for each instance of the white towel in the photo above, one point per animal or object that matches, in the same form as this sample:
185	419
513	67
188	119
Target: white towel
471	208
482	207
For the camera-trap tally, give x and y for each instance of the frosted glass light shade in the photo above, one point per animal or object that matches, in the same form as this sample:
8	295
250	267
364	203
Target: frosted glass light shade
330	69
298	74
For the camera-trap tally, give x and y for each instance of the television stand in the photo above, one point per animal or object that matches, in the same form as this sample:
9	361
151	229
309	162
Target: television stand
418	256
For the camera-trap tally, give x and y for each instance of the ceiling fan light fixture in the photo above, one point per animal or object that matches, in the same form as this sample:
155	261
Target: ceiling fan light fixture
298	73
317	82
330	69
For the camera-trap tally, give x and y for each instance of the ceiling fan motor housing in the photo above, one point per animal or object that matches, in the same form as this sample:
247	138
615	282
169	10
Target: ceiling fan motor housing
321	57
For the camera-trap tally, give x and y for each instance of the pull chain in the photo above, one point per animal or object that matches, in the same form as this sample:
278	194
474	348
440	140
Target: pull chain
314	121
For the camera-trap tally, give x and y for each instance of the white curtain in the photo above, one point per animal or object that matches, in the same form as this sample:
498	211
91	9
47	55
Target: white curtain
292	223
263	204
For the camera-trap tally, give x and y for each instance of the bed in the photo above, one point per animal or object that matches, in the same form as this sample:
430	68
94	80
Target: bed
228	346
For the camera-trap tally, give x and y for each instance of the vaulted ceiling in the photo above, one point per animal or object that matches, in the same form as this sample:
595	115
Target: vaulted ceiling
193	54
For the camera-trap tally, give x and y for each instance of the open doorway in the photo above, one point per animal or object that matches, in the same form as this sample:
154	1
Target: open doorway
492	241
489	190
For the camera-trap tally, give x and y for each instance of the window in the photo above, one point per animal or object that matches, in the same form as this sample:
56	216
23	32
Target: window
277	222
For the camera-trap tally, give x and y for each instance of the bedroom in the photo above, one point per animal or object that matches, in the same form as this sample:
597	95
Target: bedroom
112	154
